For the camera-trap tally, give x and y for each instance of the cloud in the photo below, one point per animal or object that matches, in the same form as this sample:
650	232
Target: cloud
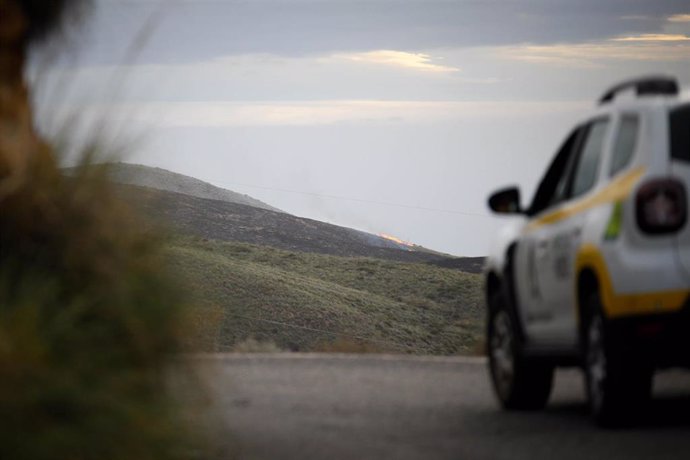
254	77
316	113
653	38
190	31
635	17
599	54
416	61
679	18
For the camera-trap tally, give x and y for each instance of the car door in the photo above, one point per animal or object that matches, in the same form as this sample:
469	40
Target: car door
561	235
532	251
546	249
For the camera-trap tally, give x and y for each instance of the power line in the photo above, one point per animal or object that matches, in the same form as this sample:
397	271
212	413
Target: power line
359	200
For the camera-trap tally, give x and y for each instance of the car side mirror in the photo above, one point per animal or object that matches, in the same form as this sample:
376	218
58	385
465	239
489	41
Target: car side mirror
506	201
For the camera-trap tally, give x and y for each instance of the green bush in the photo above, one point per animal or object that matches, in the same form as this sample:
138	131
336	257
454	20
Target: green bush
89	322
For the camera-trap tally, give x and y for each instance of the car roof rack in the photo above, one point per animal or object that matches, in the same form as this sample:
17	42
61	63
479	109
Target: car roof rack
659	84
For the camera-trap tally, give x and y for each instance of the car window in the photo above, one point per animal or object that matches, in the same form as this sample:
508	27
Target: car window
589	158
680	133
625	143
563	187
556	174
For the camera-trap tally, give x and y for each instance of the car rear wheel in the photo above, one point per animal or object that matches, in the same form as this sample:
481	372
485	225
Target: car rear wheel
618	385
520	383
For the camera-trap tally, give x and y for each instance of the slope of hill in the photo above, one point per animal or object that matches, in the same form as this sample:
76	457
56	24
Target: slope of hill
305	301
169	197
219	220
161	179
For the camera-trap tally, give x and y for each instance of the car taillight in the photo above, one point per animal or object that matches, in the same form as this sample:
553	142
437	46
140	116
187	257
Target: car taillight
661	206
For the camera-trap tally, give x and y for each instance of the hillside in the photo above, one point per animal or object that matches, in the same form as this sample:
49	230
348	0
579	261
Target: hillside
224	221
161	179
254	274
307	302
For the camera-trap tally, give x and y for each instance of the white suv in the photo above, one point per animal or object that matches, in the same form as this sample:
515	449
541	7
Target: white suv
596	271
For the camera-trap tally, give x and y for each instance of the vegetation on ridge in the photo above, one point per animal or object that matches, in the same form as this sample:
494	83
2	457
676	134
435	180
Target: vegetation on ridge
307	302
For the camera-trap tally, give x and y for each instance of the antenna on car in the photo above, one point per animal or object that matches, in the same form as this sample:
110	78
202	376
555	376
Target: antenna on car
658	84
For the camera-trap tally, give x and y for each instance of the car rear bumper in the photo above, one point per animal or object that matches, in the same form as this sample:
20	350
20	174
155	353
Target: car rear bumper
660	339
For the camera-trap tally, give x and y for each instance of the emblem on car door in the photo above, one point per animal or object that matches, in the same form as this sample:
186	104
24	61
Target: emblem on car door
562	255
533	278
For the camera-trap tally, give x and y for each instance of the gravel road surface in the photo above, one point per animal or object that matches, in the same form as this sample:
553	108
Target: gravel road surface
302	406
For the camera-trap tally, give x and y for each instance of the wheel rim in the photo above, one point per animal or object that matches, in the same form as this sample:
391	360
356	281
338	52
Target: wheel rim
502	357
596	363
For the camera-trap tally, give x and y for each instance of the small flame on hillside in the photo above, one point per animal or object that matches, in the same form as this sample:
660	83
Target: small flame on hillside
396	240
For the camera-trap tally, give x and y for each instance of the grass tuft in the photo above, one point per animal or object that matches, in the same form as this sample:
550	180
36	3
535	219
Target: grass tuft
251	345
89	321
342	345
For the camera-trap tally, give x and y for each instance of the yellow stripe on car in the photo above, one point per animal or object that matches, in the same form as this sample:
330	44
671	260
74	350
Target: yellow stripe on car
617	190
617	305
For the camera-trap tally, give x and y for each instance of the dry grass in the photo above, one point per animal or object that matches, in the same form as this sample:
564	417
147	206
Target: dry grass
251	345
89	320
342	345
314	302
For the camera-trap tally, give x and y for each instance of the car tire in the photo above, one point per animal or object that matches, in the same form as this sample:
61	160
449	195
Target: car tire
520	383
618	384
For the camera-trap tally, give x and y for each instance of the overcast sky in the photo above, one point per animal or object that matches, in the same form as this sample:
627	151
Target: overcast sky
390	116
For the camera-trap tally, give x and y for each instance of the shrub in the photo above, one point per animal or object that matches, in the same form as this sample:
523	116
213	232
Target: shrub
89	322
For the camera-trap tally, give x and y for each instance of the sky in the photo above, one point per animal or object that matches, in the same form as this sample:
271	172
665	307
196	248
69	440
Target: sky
389	116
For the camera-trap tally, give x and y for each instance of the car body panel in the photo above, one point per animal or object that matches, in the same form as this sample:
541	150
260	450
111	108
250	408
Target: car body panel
637	274
681	170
